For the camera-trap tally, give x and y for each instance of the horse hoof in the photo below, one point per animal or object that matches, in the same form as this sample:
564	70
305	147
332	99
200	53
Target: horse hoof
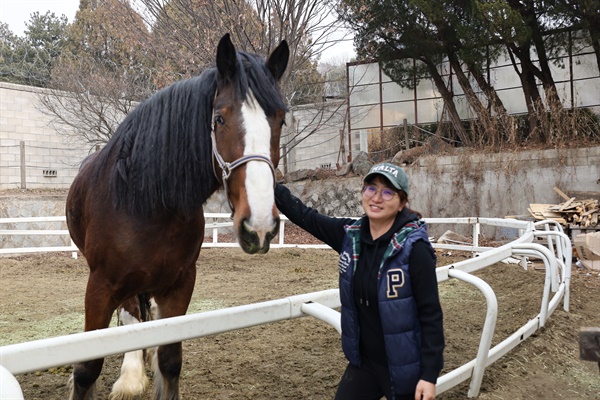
127	388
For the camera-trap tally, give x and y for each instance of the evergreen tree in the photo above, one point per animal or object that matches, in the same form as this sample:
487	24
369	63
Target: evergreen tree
29	59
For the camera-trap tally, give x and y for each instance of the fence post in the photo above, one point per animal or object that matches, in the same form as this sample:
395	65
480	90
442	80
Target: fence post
342	147
405	121
23	170
281	232
364	141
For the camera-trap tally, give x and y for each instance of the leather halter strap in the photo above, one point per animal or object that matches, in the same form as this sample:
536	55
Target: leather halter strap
228	167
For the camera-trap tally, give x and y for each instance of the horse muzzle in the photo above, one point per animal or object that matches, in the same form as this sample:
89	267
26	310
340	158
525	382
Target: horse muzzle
254	241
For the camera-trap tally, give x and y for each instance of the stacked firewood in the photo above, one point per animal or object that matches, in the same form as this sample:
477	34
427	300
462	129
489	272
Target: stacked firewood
584	213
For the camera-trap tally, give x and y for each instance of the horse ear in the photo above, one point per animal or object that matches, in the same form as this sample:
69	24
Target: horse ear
226	58
278	60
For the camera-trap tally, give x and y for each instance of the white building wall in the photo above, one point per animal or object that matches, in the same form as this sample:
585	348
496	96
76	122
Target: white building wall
49	160
313	137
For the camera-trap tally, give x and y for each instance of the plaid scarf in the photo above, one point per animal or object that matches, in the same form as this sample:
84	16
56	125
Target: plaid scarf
353	231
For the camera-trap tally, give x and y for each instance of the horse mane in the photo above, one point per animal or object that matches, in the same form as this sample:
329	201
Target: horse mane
255	75
160	157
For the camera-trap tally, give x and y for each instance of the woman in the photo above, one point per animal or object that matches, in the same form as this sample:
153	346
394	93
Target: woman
387	284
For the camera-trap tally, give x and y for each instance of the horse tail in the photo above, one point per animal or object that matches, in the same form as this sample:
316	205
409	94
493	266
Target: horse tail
145	300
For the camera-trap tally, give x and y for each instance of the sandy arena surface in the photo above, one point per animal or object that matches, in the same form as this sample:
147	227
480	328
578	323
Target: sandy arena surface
42	296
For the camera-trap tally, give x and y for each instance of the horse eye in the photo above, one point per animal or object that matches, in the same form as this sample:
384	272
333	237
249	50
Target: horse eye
219	120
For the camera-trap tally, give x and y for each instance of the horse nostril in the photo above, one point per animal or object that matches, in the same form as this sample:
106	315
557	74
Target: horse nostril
248	238
269	236
246	226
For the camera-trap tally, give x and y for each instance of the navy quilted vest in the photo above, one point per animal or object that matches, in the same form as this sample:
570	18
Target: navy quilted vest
396	304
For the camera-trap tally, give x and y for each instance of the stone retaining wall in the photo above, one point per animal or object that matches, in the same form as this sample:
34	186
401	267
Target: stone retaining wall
483	185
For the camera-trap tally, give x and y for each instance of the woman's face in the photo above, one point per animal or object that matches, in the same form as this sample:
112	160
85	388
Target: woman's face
378	209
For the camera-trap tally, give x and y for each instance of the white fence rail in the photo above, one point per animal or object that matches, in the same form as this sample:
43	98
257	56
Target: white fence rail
212	229
555	254
5	231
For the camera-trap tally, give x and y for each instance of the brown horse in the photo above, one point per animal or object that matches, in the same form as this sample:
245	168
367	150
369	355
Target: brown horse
135	208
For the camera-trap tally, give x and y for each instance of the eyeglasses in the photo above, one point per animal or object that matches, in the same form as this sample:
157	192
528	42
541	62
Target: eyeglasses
386	194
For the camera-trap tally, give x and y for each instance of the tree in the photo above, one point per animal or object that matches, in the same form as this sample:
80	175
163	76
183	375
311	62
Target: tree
583	14
184	32
119	56
12	51
519	25
460	34
109	30
398	34
469	34
29	59
190	28
105	72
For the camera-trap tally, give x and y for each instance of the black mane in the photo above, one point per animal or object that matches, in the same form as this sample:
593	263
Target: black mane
160	157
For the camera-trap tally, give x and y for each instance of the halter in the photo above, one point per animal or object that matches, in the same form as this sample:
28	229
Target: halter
227	168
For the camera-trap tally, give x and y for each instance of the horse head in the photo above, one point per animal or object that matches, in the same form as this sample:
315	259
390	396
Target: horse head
248	115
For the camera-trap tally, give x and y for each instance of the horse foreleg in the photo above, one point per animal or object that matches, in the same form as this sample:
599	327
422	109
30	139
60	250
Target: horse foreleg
166	363
133	380
98	312
168	358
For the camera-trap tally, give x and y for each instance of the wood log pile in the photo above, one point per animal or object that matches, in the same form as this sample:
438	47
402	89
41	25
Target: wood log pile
583	213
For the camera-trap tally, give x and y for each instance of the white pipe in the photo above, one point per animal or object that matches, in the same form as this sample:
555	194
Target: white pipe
9	386
488	327
324	313
46	353
565	251
61	218
34	232
476	230
551	279
281	231
37	249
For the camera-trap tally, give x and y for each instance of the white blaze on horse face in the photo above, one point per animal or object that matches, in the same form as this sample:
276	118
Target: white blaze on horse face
259	178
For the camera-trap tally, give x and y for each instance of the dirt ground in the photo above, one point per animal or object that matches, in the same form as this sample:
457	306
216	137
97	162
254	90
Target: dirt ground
42	296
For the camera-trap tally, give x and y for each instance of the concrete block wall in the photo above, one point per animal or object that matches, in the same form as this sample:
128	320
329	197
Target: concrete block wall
50	161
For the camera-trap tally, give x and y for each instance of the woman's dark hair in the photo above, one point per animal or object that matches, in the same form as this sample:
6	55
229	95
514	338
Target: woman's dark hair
401	193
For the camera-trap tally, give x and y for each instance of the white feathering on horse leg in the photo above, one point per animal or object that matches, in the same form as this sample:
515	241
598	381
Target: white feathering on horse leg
133	380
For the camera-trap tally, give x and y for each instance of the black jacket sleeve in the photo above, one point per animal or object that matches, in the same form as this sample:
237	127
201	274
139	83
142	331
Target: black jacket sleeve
329	230
429	310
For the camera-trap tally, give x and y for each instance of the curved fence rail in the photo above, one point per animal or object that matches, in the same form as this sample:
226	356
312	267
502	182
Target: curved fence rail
543	240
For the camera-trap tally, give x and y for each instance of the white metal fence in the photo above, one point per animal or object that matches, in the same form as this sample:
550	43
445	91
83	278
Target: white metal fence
542	240
211	228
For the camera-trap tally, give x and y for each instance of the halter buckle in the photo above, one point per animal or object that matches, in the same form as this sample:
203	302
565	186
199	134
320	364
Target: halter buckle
225	171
